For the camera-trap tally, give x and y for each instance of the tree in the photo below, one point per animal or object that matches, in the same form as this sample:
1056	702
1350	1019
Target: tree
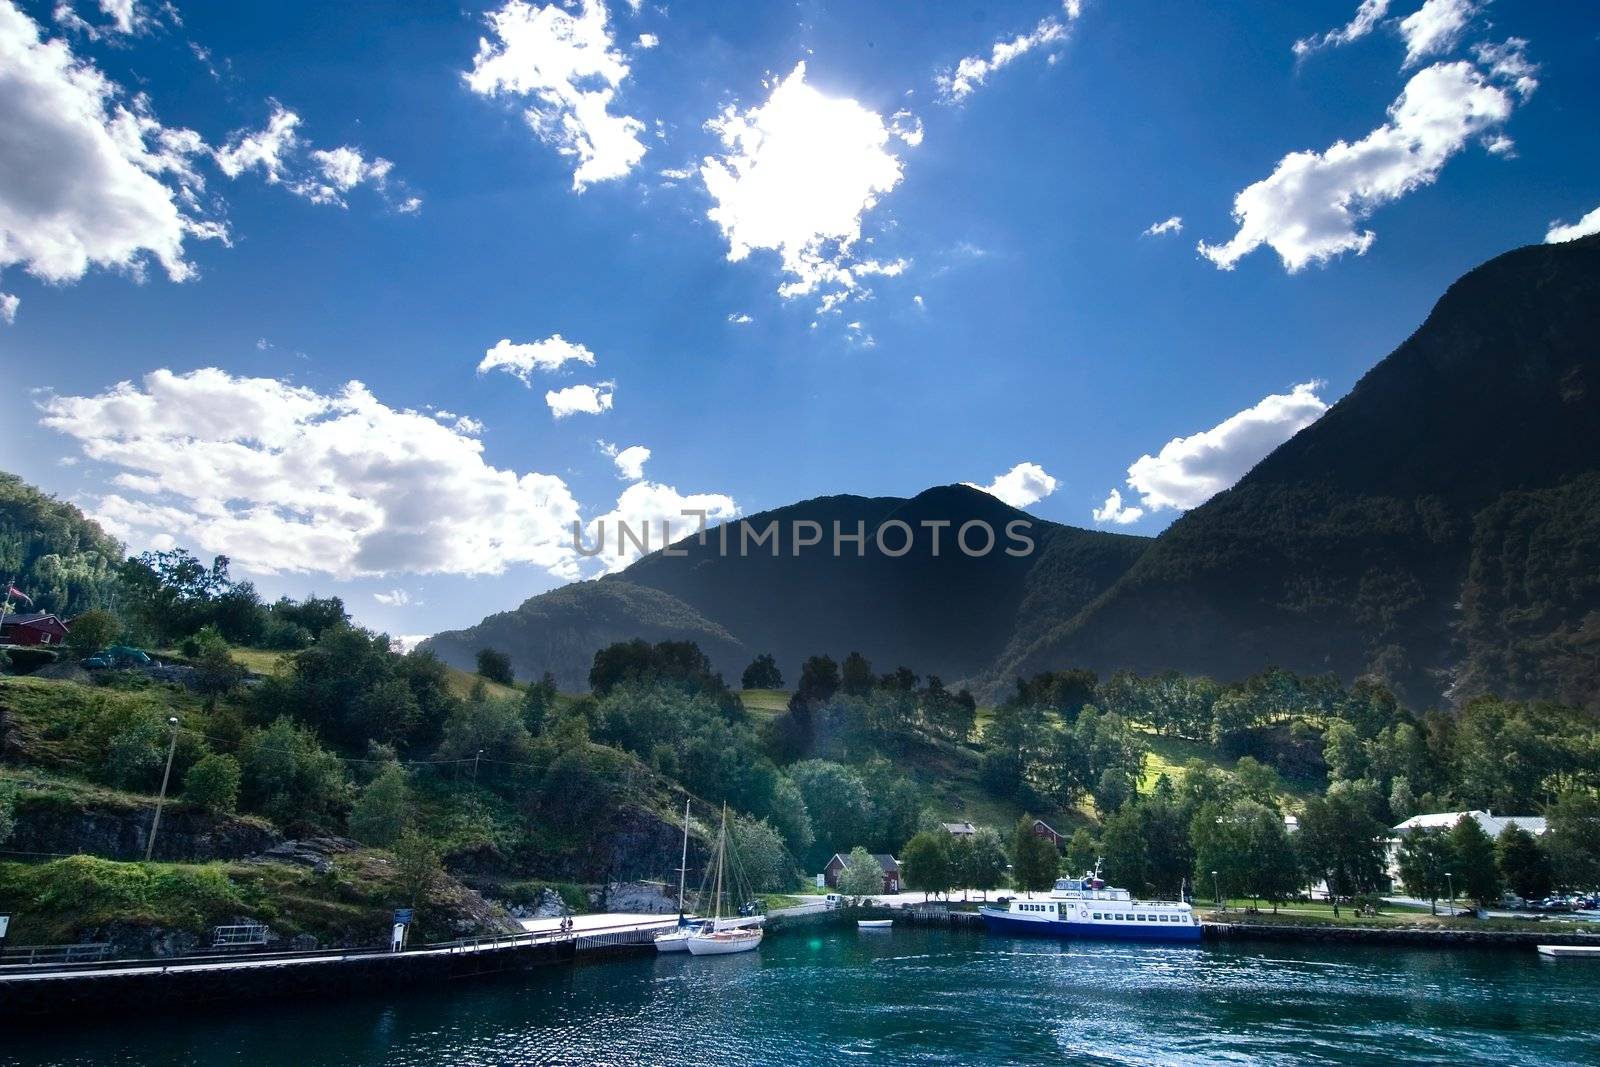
538	702
416	867
1122	843
1524	863
1034	861
491	726
1425	861
985	866
765	862
1341	843
1247	846
925	862
762	673
819	680
289	777
856	678
1083	851
1402	801
212	784
495	666
838	802
1476	874
1343	752
216	672
1574	839
93	630
8	810
862	876
383	810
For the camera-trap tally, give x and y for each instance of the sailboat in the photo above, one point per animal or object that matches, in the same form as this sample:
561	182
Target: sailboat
677	939
733	934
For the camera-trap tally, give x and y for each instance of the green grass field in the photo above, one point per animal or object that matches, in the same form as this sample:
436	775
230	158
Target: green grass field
765	703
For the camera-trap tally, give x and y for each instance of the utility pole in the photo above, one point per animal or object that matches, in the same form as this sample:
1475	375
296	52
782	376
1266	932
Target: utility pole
1450	878
475	760
1216	887
155	824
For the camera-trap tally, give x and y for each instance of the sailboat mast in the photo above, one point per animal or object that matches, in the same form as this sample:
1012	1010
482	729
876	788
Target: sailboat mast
683	865
722	845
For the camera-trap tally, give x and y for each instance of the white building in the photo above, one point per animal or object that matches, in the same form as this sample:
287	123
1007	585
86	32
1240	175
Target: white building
1491	823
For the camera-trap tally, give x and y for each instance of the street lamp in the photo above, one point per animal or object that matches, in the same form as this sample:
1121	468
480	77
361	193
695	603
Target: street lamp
1450	878
155	824
1216	888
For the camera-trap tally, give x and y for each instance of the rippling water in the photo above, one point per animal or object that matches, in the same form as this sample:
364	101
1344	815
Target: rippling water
916	997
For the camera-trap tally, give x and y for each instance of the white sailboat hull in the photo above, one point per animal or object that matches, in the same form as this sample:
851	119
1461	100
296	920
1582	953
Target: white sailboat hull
676	941
725	942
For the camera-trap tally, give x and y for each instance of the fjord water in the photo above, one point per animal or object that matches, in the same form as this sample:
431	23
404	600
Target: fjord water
913	997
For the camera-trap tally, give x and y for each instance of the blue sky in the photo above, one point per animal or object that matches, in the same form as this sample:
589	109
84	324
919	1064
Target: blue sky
946	270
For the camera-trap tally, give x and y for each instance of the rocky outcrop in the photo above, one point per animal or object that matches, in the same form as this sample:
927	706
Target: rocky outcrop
64	824
639	898
314	852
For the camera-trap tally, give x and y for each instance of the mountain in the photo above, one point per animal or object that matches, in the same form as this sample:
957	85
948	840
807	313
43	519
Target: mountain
1437	528
936	610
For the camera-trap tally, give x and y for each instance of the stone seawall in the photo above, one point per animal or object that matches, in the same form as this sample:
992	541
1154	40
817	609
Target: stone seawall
1415	937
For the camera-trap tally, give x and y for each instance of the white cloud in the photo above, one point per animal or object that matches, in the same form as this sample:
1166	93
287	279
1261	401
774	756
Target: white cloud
403	644
523	360
285	479
104	184
799	173
1024	484
580	399
1171	225
394	598
1435	27
643	507
917	300
648	40
956	85
740	319
569	68
9	302
322	176
1560	231
1188	471
630	461
1508	62
267	148
1115	511
1307	210
1367	16
126	18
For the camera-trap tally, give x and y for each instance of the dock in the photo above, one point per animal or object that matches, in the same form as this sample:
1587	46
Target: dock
1559	951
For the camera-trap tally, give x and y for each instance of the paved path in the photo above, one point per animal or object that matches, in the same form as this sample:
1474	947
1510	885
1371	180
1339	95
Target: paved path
610	921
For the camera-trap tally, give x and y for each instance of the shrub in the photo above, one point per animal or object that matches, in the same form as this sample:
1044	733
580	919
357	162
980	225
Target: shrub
213	784
383	810
495	666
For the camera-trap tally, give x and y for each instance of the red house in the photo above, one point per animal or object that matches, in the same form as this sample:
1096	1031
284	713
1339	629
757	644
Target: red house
34	628
1044	829
890	865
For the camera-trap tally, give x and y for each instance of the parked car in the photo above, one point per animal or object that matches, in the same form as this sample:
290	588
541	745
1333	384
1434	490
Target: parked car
833	900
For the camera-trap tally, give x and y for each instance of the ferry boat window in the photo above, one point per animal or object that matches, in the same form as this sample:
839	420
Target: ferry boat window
1097	915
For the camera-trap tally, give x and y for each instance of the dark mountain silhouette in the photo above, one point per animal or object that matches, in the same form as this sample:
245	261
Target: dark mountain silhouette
1438	528
949	613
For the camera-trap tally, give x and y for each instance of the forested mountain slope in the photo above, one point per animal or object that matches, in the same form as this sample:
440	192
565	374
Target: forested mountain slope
1434	526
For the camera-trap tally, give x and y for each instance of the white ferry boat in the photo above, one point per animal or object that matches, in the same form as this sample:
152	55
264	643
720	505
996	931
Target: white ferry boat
1088	908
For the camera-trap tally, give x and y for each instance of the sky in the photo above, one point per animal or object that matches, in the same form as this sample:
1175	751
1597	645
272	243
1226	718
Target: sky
381	300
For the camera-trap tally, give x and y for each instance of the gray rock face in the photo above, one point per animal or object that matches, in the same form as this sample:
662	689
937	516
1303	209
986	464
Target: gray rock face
50	823
314	852
647	898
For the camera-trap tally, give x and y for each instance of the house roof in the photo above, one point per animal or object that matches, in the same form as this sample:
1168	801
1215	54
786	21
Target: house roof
960	827
32	618
1047	826
889	864
1492	824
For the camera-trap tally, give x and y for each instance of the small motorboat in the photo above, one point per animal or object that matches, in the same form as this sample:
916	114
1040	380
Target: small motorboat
874	924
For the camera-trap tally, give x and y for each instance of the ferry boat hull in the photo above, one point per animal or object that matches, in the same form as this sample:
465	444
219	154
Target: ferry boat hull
1007	925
